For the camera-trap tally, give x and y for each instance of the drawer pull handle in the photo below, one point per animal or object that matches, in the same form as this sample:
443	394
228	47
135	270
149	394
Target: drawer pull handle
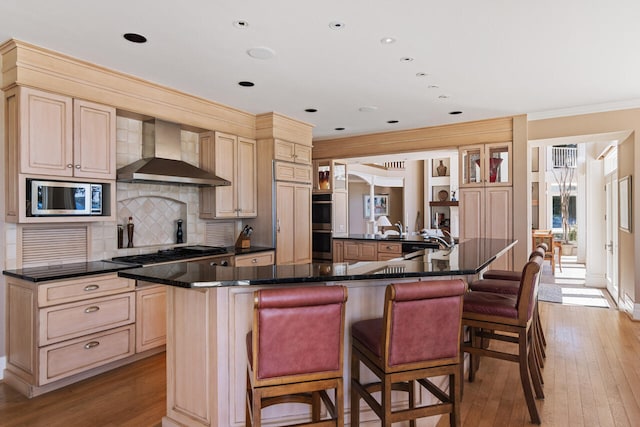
91	309
89	288
254	260
90	345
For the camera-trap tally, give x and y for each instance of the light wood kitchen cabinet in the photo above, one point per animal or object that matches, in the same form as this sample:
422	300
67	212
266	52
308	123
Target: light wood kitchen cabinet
486	212
254	259
486	194
94	140
355	250
62	137
293	172
485	164
151	316
57	137
389	250
293	223
337	250
346	250
292	152
234	159
64	331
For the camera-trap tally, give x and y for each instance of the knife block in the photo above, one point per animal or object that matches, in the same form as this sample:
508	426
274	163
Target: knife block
243	241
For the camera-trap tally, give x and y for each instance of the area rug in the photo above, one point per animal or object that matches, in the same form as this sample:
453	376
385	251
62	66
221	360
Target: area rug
590	297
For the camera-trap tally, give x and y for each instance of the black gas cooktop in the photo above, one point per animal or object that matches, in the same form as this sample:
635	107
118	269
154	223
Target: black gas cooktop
175	254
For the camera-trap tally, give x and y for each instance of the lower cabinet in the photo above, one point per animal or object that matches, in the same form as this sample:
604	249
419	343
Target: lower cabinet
254	259
62	331
345	250
151	316
355	250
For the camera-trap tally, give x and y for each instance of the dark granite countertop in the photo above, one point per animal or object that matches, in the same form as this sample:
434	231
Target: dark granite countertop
465	258
380	237
67	271
80	269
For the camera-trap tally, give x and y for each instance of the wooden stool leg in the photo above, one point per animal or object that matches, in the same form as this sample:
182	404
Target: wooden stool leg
355	396
525	377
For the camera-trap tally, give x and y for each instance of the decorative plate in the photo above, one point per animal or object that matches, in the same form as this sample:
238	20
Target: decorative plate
443	195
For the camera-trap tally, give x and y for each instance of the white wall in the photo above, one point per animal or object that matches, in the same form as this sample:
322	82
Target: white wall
3	358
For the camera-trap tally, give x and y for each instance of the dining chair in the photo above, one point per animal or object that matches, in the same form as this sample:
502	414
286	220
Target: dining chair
295	351
546	237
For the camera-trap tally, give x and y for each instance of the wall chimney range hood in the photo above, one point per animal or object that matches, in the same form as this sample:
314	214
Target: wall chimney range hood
161	161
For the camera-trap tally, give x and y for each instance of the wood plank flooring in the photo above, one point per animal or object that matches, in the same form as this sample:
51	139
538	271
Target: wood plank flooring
131	396
592	378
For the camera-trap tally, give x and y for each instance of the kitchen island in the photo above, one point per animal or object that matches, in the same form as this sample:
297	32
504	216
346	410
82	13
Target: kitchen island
210	313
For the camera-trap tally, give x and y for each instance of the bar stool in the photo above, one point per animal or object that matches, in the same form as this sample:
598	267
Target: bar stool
507	318
418	338
295	351
508	282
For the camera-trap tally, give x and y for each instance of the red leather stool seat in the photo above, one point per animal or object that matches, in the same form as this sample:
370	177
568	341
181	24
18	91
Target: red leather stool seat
508	287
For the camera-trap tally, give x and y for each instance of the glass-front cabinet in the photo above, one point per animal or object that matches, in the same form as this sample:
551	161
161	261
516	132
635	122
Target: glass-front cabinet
485	164
330	176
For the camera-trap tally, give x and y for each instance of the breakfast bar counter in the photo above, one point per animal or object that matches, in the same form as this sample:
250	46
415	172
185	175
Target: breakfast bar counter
209	313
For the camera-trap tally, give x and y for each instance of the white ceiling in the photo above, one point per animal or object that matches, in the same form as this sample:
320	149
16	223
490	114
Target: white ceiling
489	58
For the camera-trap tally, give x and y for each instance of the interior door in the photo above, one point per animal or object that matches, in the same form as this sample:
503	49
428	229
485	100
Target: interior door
611	242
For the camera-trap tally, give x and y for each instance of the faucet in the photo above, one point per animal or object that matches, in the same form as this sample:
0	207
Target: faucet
399	225
448	244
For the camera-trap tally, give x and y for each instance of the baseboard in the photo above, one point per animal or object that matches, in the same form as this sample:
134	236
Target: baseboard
3	364
630	307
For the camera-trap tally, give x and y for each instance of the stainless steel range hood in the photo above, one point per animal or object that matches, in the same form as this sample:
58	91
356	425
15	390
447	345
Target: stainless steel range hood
161	162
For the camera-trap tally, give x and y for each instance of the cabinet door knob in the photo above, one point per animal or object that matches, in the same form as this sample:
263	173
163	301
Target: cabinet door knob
77	166
254	260
69	165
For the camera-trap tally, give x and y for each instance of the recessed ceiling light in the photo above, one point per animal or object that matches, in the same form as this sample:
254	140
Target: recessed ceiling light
443	96
433	87
246	83
387	40
421	74
338	129
240	24
368	109
392	121
261	53
336	25
311	110
406	59
135	38
453	113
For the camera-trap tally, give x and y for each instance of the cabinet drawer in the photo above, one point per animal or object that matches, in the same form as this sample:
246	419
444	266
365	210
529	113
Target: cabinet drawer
72	320
257	259
390	247
292	172
71	357
81	289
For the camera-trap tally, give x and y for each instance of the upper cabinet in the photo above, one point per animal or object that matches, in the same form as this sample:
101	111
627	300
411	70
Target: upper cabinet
330	176
63	137
234	159
60	138
292	152
94	140
485	164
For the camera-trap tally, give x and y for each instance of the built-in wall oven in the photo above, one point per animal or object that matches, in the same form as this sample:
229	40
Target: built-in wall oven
321	225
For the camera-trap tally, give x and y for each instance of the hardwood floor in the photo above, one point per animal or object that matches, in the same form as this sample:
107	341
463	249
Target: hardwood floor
131	396
592	378
591	375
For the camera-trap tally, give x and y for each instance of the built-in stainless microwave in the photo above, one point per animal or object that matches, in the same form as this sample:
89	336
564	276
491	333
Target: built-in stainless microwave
56	198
